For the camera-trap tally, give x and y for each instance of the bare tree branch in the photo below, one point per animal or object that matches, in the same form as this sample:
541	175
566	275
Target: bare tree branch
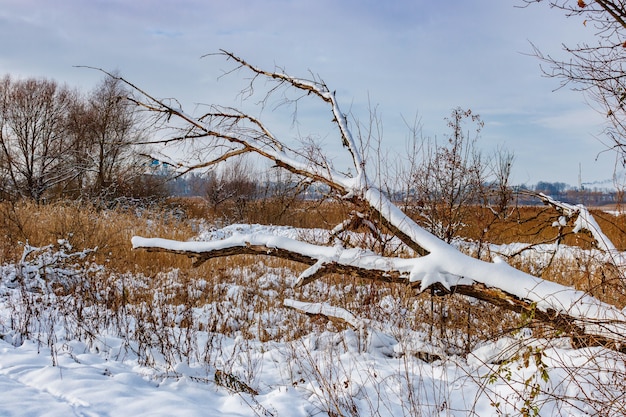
597	69
321	90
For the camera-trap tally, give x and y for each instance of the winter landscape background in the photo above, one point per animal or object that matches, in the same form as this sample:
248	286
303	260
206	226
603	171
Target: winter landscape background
282	249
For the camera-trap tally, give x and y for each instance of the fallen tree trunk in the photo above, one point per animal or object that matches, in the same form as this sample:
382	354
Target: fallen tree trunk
585	330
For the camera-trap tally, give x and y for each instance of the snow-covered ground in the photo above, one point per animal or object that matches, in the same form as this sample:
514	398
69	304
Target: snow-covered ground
53	363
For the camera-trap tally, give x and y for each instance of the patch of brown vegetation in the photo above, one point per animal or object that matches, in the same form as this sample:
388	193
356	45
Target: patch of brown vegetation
456	319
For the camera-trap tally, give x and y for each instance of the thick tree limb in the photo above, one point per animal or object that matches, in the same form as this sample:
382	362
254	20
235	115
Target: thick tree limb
363	265
584	220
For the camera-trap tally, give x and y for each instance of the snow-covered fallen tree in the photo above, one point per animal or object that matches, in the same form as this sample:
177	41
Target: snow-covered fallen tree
223	133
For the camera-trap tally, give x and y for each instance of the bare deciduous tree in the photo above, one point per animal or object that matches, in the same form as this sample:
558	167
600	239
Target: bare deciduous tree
233	182
103	129
598	68
232	185
222	132
33	135
450	178
52	140
79	128
114	129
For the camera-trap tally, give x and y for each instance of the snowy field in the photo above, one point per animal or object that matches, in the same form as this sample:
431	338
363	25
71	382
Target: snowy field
63	357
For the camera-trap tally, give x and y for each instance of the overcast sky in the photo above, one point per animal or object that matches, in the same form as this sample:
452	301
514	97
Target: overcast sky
407	57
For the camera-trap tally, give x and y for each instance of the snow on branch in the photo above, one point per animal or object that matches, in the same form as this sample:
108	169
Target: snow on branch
498	283
584	220
326	310
321	259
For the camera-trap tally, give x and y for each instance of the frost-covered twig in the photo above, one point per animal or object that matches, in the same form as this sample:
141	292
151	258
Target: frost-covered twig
40	266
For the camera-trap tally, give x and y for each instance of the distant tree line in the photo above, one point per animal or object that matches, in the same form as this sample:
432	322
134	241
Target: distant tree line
56	142
565	192
59	143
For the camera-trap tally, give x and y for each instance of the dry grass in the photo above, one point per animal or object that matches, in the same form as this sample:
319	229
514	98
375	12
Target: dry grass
244	293
281	212
87	226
